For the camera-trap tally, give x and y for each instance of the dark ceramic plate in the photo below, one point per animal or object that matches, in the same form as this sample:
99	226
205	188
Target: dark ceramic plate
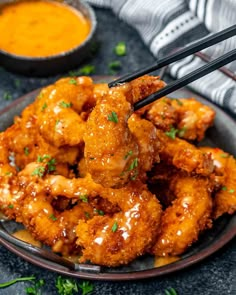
222	135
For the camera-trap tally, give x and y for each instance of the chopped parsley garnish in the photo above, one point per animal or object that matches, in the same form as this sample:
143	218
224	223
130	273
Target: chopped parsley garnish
231	191
114	65
39	171
84	198
113	117
224	155
224	188
44	107
35	289
179	102
87	215
120	49
53	217
66	286
8	173
172	133
86	287
7	95
11	206
57	122
52	165
134	164
170	291
9	283
129	153
64	104
26	151
114	227
40	159
99	212
87	70
73	81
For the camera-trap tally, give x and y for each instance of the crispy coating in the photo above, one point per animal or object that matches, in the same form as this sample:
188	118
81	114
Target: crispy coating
225	176
183	155
118	239
190	117
111	151
189	214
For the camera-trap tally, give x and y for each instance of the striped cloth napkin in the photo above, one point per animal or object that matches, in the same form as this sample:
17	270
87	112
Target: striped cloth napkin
164	25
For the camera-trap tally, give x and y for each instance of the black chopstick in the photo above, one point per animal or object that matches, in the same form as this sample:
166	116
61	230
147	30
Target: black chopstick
200	72
186	51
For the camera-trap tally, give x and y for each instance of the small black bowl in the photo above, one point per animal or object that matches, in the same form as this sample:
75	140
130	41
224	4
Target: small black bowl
55	64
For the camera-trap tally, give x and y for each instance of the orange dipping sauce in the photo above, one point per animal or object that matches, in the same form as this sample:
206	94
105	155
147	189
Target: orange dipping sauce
41	28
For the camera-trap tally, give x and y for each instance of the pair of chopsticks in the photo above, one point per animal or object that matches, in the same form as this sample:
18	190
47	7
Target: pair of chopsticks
185	80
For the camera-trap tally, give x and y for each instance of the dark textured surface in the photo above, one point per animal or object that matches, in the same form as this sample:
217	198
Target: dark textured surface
215	275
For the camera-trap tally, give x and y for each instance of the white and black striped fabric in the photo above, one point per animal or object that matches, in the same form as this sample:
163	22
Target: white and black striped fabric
165	25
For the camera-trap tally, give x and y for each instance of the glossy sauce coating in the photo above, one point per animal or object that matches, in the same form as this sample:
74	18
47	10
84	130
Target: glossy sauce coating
41	28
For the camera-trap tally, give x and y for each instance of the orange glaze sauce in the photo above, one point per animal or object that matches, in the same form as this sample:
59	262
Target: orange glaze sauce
161	261
41	28
25	236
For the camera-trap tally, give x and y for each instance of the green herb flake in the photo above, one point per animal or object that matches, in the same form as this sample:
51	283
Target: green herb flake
114	227
87	215
11	206
224	188
120	49
9	283
40	95
114	65
64	104
170	291
86	287
113	117
26	151
99	212
57	122
73	81
39	171
179	102
36	288
87	70
53	217
231	191
134	175
7	95
84	198
52	165
224	155
8	173
66	286
134	164
40	159
44	107
129	153
172	133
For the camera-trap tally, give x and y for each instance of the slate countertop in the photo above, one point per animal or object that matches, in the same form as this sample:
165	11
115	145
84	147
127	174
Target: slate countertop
215	275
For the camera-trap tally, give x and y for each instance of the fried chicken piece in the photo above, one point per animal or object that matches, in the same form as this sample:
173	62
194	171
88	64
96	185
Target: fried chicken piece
190	117
58	110
145	134
225	176
111	151
120	238
189	215
183	155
